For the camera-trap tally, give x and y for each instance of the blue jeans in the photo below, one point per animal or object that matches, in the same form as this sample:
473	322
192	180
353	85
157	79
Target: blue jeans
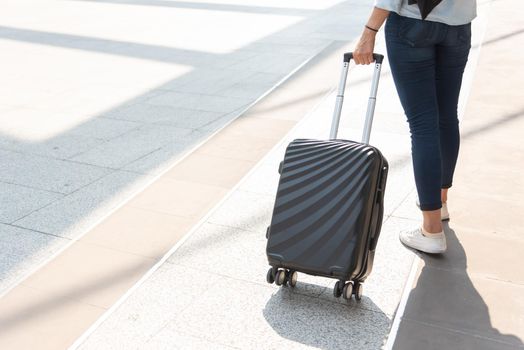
427	62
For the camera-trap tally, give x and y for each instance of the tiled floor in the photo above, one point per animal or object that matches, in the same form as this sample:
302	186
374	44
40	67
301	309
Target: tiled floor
99	268
219	271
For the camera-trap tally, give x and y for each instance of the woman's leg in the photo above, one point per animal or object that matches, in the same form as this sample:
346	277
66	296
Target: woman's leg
452	56
413	65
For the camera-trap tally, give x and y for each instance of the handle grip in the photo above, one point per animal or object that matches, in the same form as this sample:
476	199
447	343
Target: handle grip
348	56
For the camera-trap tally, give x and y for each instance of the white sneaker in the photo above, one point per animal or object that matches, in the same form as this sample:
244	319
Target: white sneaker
419	239
444	213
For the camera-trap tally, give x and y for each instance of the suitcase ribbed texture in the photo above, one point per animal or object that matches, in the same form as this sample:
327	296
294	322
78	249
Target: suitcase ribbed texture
323	207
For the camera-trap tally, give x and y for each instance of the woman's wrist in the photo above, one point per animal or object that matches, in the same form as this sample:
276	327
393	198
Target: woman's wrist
371	28
369	33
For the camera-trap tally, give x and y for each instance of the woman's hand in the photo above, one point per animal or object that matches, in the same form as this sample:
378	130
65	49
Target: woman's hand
363	53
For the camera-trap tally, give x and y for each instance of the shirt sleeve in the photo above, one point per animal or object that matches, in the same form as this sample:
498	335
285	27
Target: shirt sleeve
390	5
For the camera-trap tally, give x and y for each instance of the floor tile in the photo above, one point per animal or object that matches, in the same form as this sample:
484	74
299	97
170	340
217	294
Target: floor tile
415	336
181	198
73	214
166	115
141	232
237	147
52	175
252	212
18	201
210	170
131	146
23	311
479	253
283	319
443	298
100	282
22	251
148	310
210	103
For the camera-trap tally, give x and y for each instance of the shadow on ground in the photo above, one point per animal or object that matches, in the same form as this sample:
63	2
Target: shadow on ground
324	324
446	311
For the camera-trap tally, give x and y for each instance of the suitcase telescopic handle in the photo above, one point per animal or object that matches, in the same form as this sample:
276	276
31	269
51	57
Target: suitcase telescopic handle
371	102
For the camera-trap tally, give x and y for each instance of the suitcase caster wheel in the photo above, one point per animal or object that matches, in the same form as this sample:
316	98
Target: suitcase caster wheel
280	277
280	167
358	290
292	278
347	292
337	290
270	276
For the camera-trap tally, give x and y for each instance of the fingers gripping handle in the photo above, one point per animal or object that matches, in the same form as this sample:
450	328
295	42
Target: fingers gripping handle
377	57
372	98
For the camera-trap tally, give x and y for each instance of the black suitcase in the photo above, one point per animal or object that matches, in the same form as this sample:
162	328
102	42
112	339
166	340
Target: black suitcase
329	205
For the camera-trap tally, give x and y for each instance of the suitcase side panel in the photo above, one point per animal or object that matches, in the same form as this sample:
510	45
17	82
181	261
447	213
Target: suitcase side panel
376	222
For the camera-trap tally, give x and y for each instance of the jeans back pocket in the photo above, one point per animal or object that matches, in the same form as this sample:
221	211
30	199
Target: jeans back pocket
464	34
415	32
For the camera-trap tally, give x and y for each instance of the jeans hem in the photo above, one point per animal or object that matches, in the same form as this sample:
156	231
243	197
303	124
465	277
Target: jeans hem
429	207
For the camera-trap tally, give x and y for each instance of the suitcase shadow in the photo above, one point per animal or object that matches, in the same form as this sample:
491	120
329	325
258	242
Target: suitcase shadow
323	322
446	309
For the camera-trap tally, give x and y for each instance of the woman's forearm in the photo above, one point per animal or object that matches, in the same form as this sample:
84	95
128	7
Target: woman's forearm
377	18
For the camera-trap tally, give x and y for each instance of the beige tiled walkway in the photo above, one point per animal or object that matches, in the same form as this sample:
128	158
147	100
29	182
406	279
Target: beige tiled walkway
60	301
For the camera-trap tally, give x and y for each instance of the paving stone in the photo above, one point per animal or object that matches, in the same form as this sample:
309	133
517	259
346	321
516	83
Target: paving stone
478	252
270	62
17	201
163	158
414	335
209	81
47	173
60	138
210	103
104	128
22	251
101	282
408	208
223	121
147	311
71	215
165	115
129	147
488	314
264	180
19	317
279	319
171	339
180	198
252	212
